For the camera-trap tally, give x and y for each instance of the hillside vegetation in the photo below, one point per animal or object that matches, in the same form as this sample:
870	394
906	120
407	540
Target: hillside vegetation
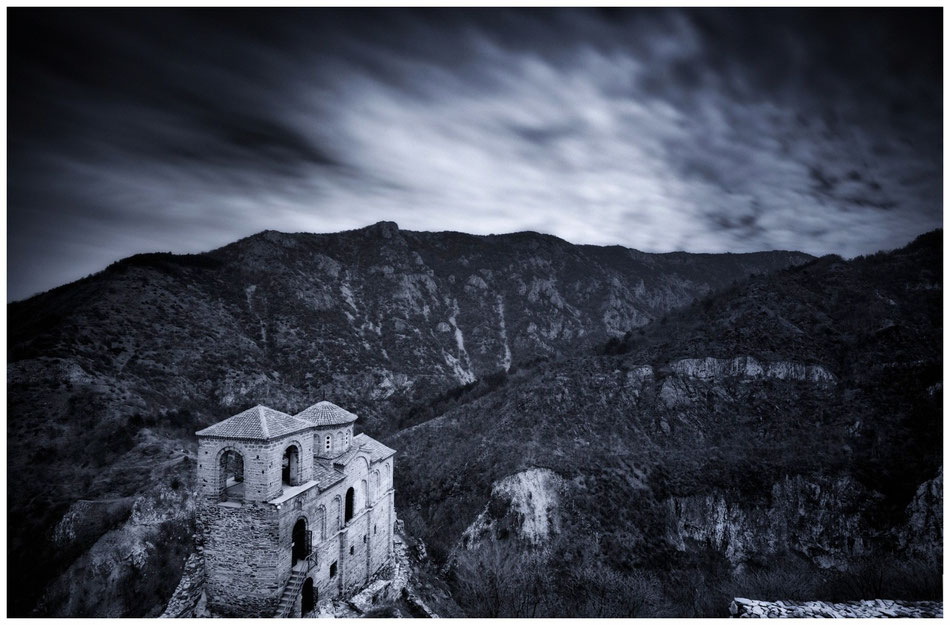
780	439
109	377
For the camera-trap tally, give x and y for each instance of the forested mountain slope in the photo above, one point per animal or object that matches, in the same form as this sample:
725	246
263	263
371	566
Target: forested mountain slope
780	438
109	377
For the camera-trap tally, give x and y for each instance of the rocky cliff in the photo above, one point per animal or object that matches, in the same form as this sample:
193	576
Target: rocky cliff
789	424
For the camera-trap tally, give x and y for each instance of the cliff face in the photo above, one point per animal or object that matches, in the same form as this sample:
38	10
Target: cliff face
922	535
135	562
523	506
109	377
820	519
795	418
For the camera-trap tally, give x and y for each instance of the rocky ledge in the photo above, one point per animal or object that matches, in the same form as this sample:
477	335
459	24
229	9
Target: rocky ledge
872	608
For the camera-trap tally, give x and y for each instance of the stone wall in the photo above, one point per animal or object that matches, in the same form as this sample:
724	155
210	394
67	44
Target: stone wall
188	592
242	555
368	533
338	435
248	547
262	464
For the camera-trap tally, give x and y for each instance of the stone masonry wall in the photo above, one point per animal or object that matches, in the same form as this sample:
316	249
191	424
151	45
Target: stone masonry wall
371	519
241	552
338	435
262	464
248	547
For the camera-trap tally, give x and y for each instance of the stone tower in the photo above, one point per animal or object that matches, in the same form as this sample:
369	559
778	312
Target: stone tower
291	509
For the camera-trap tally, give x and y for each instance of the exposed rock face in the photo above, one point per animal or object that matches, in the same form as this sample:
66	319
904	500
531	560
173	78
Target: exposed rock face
820	520
868	608
922	535
523	505
128	550
187	596
750	368
794	416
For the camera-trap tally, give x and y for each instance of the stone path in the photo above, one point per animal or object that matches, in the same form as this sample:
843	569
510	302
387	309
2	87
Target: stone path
870	608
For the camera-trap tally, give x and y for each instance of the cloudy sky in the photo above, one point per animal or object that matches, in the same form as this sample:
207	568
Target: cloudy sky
701	130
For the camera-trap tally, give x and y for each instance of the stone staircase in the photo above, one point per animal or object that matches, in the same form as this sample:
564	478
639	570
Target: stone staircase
290	592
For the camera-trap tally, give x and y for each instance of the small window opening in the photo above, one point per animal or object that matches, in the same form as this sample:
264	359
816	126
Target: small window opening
351	550
374	529
365	538
348	509
333	569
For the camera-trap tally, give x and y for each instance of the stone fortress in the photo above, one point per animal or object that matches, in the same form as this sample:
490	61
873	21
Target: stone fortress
291	510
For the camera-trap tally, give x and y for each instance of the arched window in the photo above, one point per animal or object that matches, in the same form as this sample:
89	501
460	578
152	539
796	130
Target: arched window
322	523
376	491
290	466
327	443
349	505
231	476
334	523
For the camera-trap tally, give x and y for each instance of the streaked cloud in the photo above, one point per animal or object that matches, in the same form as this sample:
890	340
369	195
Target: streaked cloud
701	130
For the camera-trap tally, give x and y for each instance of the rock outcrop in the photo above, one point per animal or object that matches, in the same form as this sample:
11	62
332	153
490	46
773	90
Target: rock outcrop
870	608
187	596
523	506
922	535
819	519
750	368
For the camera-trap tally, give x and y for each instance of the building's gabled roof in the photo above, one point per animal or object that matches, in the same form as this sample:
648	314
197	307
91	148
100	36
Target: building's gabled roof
376	450
257	423
325	475
325	413
347	455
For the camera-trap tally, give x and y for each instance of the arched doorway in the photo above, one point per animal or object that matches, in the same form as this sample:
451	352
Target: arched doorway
300	548
308	597
290	466
348	514
231	476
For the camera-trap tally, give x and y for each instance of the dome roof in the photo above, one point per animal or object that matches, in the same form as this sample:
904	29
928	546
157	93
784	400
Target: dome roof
326	413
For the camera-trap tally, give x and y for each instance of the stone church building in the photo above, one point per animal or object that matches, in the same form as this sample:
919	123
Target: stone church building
291	510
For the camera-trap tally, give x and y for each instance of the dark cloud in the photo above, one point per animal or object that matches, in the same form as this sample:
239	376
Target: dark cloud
702	129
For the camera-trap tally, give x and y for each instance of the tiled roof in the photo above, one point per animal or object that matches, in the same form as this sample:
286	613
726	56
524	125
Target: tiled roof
257	423
347	455
325	413
324	474
377	451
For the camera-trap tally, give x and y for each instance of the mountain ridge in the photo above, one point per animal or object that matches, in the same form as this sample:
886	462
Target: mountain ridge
117	370
790	423
381	226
